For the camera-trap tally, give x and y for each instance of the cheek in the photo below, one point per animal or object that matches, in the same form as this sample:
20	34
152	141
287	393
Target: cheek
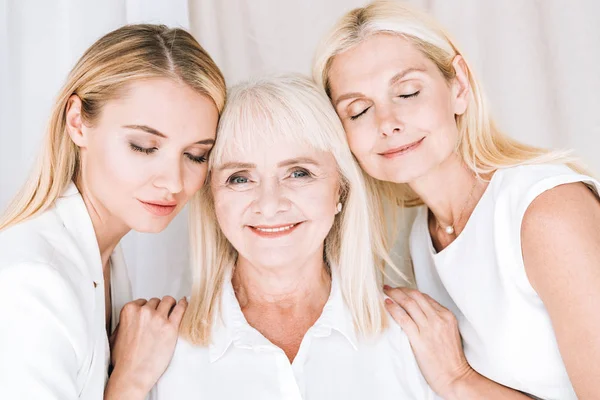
359	140
229	209
113	163
194	178
439	120
318	202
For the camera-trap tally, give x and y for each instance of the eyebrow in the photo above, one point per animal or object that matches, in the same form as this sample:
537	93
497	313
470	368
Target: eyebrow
392	82
153	131
286	163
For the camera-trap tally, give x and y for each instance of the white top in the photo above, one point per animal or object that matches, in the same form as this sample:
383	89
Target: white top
332	362
53	341
506	329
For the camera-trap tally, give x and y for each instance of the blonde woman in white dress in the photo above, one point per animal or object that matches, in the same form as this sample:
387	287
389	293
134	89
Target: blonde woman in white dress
506	235
125	149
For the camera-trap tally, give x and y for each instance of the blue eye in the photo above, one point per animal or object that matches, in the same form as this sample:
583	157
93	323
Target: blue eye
236	180
300	173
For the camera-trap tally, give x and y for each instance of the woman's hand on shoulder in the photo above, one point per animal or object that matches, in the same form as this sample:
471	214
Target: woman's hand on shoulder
143	344
432	331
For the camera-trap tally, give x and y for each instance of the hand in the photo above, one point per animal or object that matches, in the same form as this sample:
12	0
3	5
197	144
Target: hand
432	331
143	343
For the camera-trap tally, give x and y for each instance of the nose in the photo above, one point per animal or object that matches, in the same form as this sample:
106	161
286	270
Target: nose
270	199
170	176
388	120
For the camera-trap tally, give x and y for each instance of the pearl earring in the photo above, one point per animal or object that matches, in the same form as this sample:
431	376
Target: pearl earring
339	207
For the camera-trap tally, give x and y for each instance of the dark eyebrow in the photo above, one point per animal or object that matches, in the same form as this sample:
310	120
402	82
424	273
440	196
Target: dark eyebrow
153	131
393	81
147	129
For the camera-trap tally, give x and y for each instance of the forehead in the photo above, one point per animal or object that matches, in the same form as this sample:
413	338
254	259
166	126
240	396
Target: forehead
268	154
380	56
168	106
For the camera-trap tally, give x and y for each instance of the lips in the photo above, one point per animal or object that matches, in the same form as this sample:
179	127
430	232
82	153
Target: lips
397	151
274	230
159	208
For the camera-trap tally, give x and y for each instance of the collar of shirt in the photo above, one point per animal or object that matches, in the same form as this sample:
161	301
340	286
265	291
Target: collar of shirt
231	327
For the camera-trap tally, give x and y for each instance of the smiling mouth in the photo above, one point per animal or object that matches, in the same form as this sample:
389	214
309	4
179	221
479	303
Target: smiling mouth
401	150
272	231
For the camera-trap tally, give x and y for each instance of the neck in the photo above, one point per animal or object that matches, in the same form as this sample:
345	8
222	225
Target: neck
109	231
449	190
292	286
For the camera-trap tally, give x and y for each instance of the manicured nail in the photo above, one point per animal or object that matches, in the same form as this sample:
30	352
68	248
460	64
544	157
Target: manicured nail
386	287
388	302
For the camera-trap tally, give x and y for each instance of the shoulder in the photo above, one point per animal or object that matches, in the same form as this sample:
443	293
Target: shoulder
38	296
38	260
513	190
561	226
31	241
526	179
38	282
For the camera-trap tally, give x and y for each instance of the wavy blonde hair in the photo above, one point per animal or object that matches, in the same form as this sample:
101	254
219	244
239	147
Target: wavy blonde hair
130	53
481	145
259	112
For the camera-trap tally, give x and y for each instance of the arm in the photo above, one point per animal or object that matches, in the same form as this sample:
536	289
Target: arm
39	314
560	238
434	337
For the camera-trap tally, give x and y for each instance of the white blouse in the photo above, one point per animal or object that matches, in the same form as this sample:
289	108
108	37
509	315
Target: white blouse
332	362
506	330
53	341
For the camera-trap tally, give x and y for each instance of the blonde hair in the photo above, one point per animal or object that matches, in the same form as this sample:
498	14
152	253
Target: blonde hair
290	108
130	53
482	147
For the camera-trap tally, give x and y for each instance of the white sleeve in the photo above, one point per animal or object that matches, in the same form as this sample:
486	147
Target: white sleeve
39	317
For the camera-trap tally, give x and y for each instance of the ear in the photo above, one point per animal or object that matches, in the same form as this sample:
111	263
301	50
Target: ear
74	121
461	89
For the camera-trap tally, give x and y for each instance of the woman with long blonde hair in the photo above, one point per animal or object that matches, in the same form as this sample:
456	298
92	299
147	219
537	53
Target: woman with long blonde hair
506	235
126	148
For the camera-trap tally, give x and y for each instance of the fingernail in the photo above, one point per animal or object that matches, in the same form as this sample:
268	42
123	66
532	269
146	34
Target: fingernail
389	302
386	287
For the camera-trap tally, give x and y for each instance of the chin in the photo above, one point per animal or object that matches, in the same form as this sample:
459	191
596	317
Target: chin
149	226
273	258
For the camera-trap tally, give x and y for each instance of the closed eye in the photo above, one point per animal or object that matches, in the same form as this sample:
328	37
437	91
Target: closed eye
144	150
407	96
196	159
359	114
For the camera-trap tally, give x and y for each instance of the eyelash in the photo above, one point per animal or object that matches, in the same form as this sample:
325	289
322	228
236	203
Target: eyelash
142	149
304	171
404	96
232	178
151	150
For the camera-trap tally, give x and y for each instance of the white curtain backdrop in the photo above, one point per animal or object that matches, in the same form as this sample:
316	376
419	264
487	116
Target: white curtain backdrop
537	59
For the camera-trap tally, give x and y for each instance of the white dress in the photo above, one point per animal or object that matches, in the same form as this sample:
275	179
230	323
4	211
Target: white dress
506	330
332	362
53	341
